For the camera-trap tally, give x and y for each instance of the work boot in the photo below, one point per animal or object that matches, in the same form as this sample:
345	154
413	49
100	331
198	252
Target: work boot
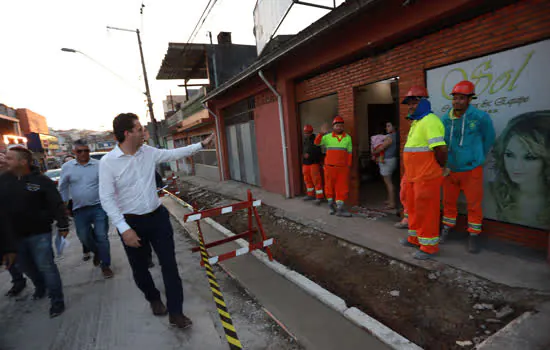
403	224
405	243
17	288
97	261
420	255
332	207
158	308
180	321
444	234
309	198
57	309
317	202
473	244
342	211
107	272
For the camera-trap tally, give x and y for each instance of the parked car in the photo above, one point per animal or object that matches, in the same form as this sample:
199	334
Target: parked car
54	174
98	155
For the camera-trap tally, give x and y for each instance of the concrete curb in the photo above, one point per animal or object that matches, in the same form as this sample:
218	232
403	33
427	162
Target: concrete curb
359	318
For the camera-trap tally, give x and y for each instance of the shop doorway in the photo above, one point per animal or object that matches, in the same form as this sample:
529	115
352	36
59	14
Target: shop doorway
376	104
241	142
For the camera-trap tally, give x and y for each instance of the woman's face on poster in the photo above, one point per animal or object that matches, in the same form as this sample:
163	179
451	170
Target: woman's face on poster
522	165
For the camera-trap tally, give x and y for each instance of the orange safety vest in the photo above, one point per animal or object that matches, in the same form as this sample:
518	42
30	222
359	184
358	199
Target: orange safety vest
339	148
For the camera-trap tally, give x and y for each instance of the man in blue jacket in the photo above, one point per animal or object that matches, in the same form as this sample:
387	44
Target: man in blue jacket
469	134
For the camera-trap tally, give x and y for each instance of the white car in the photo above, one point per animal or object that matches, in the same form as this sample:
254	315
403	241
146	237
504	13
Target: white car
53	174
98	155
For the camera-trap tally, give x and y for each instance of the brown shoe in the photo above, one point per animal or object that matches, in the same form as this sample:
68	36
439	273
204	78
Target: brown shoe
181	321
158	308
107	272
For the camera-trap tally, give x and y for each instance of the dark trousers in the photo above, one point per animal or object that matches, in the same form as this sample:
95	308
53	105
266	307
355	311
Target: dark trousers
155	229
15	272
36	259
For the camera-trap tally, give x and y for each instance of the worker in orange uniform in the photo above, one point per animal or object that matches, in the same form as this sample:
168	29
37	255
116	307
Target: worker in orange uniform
337	165
424	156
470	134
416	93
311	166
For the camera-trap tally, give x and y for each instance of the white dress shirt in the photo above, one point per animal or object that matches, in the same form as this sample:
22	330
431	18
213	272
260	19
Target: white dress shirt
127	182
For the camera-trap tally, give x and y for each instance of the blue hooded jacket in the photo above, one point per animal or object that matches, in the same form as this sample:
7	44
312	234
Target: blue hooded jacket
469	139
423	109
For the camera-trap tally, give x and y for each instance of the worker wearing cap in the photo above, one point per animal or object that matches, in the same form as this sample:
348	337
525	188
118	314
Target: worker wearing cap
415	93
311	166
469	134
338	162
424	157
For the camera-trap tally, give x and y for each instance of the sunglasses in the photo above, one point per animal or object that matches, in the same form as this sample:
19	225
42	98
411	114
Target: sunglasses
83	151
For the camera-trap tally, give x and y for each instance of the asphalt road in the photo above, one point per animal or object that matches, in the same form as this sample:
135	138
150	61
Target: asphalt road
112	314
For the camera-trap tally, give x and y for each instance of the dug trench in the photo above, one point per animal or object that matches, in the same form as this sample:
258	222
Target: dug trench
447	309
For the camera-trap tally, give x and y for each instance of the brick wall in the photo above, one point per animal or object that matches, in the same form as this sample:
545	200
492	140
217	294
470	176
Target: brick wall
32	122
514	25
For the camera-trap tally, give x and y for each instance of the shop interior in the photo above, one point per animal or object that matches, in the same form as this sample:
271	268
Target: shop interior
375	105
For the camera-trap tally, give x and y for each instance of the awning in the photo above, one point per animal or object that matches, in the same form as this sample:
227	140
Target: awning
184	61
5	117
195	121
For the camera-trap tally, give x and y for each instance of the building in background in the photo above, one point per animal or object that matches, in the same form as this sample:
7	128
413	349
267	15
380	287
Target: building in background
10	130
191	122
45	147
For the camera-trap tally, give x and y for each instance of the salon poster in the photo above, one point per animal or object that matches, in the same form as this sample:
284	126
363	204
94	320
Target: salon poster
513	86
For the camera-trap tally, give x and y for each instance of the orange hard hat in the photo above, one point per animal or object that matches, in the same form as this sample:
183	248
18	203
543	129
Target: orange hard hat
465	87
337	120
308	128
416	91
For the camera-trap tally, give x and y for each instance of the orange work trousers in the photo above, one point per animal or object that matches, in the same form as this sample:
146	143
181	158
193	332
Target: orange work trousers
337	183
403	195
313	180
471	183
423	205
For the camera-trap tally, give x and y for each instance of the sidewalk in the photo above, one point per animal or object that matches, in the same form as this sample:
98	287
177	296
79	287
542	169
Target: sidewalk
499	263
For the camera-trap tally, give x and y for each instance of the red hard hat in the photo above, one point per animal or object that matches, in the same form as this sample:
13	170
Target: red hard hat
416	91
308	128
464	88
338	119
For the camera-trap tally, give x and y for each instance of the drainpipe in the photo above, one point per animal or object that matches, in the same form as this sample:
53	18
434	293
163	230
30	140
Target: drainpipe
220	151
283	134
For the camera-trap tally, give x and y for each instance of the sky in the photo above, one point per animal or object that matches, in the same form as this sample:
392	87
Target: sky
80	91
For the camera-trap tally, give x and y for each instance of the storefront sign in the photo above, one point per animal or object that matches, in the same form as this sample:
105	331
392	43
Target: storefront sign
513	87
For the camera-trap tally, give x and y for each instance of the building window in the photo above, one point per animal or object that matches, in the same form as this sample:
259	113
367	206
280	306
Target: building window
205	156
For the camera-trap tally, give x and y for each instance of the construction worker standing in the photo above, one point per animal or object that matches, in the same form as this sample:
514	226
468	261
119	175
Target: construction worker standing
415	93
424	157
337	165
469	134
311	166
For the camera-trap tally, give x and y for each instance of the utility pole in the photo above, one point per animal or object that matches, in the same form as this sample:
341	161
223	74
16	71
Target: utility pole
147	90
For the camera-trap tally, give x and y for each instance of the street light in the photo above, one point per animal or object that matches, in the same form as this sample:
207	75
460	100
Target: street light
104	67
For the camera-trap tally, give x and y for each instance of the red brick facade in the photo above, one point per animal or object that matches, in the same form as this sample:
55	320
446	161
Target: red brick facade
514	25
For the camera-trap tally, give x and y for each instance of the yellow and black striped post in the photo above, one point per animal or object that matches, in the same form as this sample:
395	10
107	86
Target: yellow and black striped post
225	317
229	329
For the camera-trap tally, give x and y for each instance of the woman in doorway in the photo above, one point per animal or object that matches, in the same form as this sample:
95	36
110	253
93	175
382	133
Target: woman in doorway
520	190
390	163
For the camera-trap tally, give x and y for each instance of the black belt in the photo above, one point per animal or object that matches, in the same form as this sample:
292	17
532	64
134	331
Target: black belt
135	216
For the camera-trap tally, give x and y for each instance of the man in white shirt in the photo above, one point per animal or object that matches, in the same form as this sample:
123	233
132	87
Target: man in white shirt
128	194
